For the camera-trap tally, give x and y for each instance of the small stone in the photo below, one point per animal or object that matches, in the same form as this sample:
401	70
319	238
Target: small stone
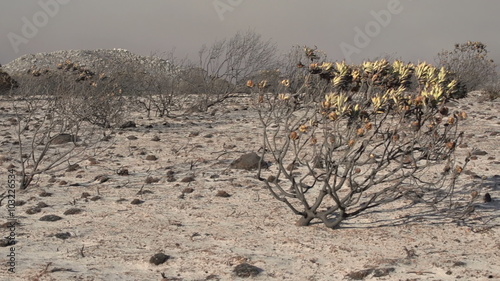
73	168
478	152
45	194
101	178
128	124
487	198
271	179
249	161
151	179
95	198
246	270
151	158
159	258
132	138
42	205
156	138
222	193
73	211
187	190
85	195
63	235
188	179
6	242
33	210
123	172
64	138
136	202
50	218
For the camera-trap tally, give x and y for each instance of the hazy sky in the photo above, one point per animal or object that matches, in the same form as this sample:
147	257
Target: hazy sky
350	29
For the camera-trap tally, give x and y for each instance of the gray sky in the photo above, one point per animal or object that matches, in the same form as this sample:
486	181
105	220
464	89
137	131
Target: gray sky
345	29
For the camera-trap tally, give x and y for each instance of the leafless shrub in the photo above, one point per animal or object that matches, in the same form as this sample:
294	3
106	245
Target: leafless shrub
6	82
161	89
58	122
470	65
225	65
366	142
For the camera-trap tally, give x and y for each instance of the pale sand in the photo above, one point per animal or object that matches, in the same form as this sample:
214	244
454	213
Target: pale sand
207	236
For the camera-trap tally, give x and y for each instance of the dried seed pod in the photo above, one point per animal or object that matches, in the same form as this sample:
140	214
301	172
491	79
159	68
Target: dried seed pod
352	142
261	98
451	120
451	145
333	116
304	128
294	135
361	132
357	170
250	84
368	126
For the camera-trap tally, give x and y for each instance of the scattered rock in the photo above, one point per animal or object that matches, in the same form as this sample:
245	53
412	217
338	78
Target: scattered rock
478	152
159	258
64	138
246	270
222	193
95	198
132	138
156	138
5	242
85	195
122	172
151	158
73	211
50	218
249	161
72	168
128	124
188	190
151	179
63	235
42	205
20	202
45	194
33	210
188	179
146	191
101	178
136	202
487	198
271	179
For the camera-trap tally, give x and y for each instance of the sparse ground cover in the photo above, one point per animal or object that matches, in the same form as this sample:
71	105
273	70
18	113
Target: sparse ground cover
166	186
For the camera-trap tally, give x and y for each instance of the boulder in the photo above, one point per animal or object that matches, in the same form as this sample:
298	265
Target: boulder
249	161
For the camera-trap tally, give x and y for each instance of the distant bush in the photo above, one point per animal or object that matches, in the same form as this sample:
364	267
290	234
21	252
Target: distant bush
492	89
469	63
358	138
225	65
6	82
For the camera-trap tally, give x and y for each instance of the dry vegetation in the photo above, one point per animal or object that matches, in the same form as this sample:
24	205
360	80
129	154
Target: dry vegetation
148	172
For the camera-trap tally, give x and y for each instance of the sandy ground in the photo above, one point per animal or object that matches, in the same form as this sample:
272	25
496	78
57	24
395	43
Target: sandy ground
206	236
